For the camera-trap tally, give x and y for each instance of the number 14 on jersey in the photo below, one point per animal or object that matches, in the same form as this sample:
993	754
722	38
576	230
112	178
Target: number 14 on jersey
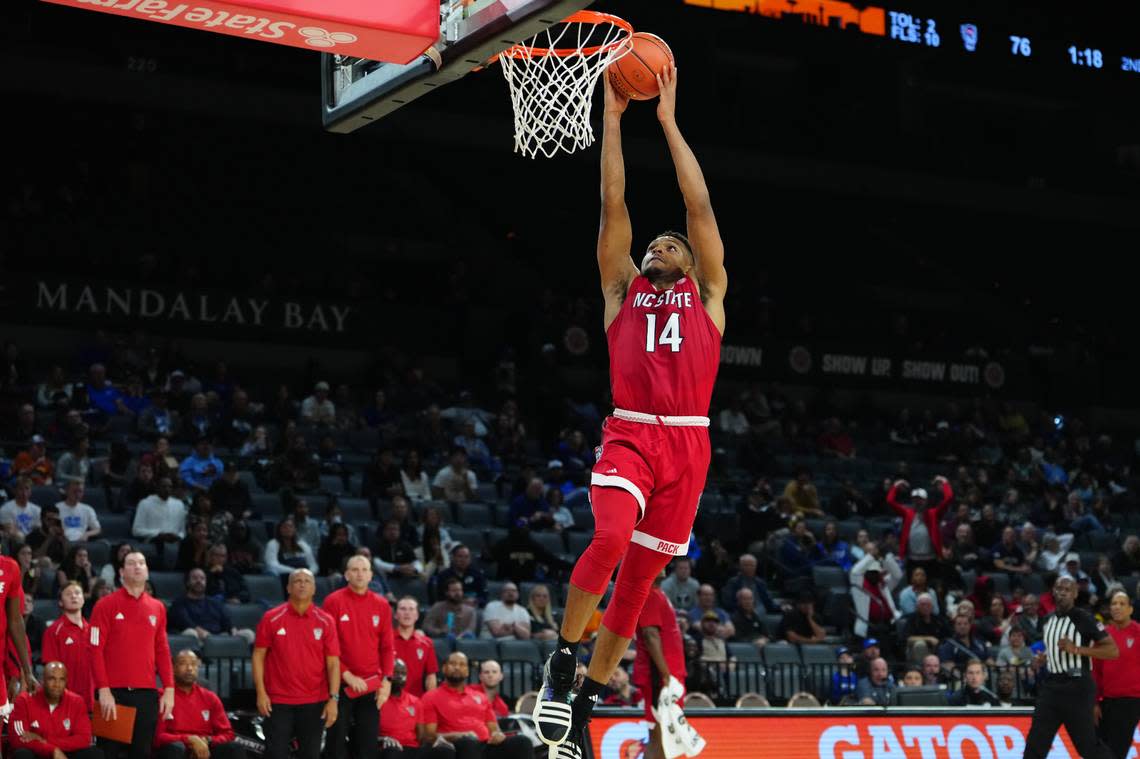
670	334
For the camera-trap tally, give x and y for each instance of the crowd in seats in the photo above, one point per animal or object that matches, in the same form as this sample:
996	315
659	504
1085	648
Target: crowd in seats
928	539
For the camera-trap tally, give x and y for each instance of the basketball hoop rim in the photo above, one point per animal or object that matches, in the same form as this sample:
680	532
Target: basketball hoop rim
581	17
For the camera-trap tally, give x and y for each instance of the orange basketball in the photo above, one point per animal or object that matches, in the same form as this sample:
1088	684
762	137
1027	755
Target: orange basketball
635	74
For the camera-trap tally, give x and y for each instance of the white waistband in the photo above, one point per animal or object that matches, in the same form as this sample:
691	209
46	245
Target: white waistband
668	421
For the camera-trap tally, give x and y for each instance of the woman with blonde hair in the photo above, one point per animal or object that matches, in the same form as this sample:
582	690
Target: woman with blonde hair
542	625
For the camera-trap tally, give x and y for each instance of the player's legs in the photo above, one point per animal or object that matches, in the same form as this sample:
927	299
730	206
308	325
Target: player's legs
1047	718
653	748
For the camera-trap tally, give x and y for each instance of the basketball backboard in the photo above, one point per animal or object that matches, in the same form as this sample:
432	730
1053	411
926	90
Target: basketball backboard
357	91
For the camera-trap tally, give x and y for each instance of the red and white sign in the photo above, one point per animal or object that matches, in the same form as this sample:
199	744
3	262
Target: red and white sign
968	734
395	31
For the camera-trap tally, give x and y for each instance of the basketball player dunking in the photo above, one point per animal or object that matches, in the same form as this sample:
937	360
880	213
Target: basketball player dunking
664	325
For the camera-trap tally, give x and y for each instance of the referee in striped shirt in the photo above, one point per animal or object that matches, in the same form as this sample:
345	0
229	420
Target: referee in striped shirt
1067	696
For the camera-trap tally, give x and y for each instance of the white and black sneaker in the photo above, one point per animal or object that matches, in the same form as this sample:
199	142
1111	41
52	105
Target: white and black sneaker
572	747
552	713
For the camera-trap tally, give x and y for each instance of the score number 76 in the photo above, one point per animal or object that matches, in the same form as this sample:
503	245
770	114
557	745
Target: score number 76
1020	45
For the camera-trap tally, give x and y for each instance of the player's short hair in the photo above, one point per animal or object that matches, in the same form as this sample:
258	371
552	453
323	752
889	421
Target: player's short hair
682	238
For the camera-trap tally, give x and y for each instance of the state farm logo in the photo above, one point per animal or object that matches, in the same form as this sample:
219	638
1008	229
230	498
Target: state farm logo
323	38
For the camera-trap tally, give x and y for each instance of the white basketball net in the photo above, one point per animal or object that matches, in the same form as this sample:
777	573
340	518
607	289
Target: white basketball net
551	92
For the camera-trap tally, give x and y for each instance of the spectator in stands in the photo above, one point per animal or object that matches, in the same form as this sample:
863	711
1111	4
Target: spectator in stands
335	551
1105	576
382	480
932	672
621	691
799	551
20	516
160	518
142	485
996	624
378	416
334	515
800	624
55	383
194	549
240	419
473	579
1008	556
68	640
101	394
506	619
431	555
843	678
30	570
714	565
199	420
230	495
49	541
76	567
877	685
200	615
1029	619
80	523
284	553
748	625
452	713
330	461
296	467
455	483
531	507
1016	652
414	648
1072	568
417	486
297	683
746	577
199	725
924	628
308	529
706	602
988	530
962	646
732	419
908	598
158	420
520	557
974	691
34	463
75	464
707	635
948	528
223	580
451	616
202	468
490	678
1126	562
833	550
761	514
246	552
835	441
542	623
1054	549
256	446
401	511
317	409
874	605
963	553
392	557
849	503
347	416
681	587
804	496
920	542
478	454
51	722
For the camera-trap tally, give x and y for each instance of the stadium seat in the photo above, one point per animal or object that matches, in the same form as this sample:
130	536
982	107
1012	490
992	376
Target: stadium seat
521	662
268	505
583	519
115	527
355	510
1032	583
265	588
224	647
501	513
249	480
168	585
526	702
324	587
785	672
697	700
477	650
577	542
415	588
819	665
520	651
332	483
96	498
494	535
829	577
443	649
475	515
45	495
487	492
46	609
179	642
472	537
551	541
744	652
98	550
494	589
246	615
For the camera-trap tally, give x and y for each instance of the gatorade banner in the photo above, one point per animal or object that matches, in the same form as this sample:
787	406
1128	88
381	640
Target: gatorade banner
838	734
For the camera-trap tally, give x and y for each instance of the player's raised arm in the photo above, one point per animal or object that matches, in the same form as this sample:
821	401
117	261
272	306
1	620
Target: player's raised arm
702	229
615	235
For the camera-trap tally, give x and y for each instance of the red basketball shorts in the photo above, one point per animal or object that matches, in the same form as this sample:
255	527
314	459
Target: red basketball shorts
662	462
651	697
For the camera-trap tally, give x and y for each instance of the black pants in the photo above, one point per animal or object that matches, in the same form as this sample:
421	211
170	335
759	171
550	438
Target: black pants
145	703
515	747
423	752
300	721
357	720
179	751
1067	701
1118	718
87	753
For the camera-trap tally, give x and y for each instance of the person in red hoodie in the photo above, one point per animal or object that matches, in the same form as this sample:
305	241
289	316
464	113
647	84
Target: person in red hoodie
198	725
1118	680
920	540
52	722
68	640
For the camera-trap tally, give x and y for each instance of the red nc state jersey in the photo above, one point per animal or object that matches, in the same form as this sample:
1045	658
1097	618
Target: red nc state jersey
664	351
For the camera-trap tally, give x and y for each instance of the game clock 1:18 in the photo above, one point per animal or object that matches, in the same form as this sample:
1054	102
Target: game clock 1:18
1084	56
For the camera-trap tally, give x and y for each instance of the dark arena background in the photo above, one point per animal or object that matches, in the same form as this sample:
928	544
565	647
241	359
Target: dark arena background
929	211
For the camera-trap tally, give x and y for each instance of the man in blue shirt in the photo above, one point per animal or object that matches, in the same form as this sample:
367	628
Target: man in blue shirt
202	468
531	506
199	615
101	394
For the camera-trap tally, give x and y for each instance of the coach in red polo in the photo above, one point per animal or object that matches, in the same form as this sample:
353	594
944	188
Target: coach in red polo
199	726
364	629
415	648
464	718
51	722
68	640
296	671
129	646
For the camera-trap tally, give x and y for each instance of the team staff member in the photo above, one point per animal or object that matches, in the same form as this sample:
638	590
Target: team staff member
464	719
401	728
660	655
52	722
129	646
364	629
296	671
415	648
68	640
198	727
1118	681
1068	694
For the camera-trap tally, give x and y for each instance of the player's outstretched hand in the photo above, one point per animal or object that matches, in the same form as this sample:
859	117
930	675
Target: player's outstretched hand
667	100
616	102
